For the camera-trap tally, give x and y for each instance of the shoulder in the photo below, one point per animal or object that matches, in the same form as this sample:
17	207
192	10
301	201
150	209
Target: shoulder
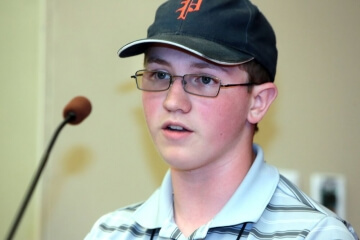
291	213
116	223
119	216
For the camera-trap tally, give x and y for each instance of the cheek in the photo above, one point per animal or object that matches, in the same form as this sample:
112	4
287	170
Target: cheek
152	103
222	122
227	117
148	106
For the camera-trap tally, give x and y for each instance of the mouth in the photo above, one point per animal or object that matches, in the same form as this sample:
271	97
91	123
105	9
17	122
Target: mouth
176	128
175	131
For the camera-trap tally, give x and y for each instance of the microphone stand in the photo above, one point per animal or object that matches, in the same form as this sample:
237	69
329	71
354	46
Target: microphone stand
69	117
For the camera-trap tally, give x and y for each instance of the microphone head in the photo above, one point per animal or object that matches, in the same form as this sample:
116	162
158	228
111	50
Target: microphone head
79	108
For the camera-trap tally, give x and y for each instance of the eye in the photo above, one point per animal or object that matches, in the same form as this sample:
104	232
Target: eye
204	80
161	76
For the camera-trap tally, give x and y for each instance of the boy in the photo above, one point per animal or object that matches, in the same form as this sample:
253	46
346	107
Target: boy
207	81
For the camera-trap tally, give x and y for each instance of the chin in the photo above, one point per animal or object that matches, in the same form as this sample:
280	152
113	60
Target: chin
181	163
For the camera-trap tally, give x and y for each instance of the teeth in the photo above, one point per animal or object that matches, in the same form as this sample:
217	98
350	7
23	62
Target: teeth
178	128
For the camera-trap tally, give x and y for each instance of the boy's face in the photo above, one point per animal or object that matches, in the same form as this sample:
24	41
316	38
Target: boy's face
193	132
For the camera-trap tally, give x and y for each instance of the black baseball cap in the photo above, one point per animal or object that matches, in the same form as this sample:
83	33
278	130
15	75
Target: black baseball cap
227	32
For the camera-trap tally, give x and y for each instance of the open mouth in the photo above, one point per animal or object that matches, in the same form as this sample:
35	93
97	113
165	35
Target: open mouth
176	128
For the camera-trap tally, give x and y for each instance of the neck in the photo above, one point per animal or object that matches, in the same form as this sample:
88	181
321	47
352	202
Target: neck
200	194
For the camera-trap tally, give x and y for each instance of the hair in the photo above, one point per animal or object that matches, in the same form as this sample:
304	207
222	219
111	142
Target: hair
257	74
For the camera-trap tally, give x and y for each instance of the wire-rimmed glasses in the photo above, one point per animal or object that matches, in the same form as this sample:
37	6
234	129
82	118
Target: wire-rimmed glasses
196	84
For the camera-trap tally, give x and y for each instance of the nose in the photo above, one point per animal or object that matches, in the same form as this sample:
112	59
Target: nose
176	98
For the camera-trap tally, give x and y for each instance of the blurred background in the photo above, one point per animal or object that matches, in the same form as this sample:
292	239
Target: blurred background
52	51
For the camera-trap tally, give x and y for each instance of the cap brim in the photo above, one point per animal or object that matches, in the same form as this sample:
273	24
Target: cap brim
209	50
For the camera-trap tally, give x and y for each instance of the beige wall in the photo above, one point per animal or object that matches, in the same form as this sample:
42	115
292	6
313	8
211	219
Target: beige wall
109	161
21	99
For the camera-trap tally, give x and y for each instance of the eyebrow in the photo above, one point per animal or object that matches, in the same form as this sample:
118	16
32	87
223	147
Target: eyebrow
202	65
198	65
155	59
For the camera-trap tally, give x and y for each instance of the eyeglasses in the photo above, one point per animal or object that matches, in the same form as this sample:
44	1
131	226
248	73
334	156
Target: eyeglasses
196	84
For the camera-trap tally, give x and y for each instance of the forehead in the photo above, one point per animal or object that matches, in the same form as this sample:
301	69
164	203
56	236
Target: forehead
171	56
163	52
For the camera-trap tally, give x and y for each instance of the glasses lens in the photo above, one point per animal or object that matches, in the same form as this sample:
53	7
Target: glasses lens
153	80
202	85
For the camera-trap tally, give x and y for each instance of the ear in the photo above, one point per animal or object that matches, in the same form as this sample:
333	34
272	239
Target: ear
261	98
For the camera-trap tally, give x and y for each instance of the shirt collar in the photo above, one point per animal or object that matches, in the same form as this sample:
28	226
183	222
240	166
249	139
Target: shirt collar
159	205
246	204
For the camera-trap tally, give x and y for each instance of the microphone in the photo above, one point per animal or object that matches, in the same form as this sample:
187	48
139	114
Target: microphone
77	110
74	113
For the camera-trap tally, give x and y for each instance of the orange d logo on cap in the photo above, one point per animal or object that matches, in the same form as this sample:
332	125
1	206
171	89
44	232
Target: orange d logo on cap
188	6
